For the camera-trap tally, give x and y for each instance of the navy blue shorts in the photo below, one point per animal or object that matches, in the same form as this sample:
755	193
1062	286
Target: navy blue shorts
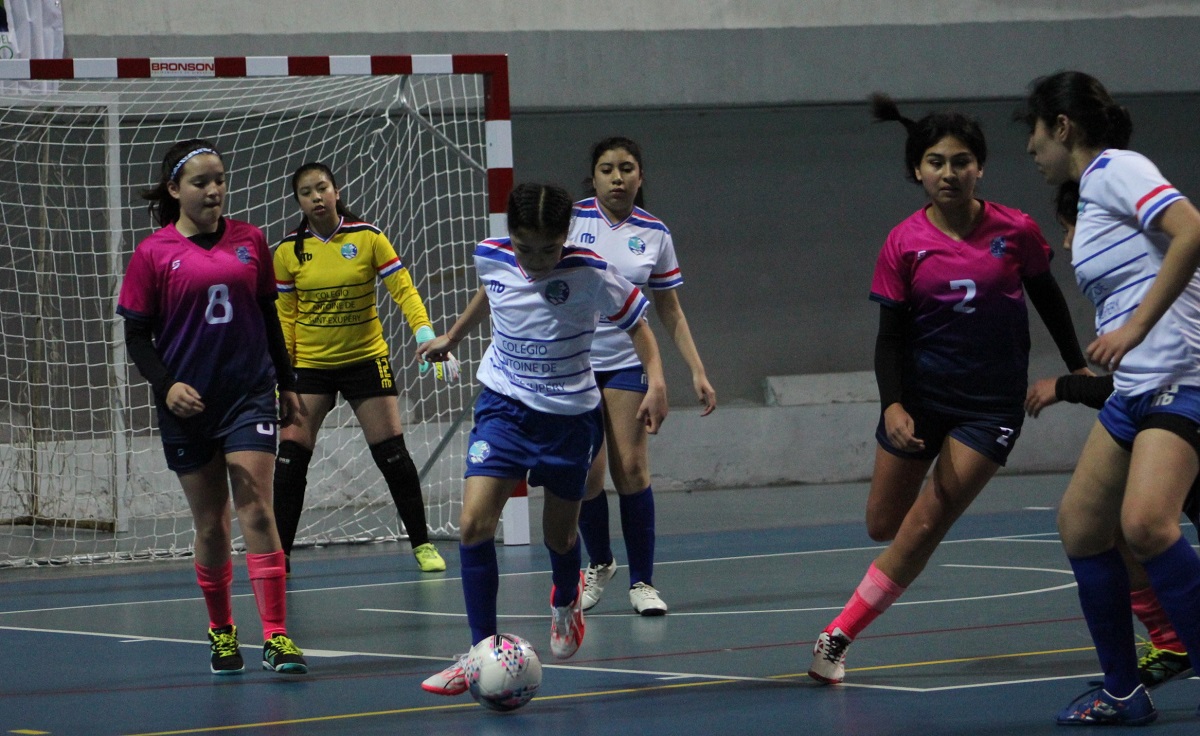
625	379
253	426
510	440
992	436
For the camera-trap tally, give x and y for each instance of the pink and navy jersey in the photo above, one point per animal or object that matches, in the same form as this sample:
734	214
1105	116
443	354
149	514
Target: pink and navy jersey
968	327
641	250
542	329
203	306
1117	251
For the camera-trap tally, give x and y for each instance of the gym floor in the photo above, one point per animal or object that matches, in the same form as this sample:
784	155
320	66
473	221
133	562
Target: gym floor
988	640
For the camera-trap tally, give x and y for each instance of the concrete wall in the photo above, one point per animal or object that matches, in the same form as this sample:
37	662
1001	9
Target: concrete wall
760	156
576	54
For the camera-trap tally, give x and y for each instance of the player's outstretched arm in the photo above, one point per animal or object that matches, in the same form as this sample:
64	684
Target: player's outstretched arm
438	349
653	409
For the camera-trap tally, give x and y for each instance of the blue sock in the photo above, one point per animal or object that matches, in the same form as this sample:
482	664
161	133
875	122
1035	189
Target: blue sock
1104	598
481	584
593	527
1175	576
637	524
564	570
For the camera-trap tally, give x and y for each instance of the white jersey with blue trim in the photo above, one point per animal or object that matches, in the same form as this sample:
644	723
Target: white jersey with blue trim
1117	252
641	249
542	329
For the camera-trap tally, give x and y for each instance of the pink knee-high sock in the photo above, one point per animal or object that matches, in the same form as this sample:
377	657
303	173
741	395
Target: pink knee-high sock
270	591
1154	618
217	585
872	597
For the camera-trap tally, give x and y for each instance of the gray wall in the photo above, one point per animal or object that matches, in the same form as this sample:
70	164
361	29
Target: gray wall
778	214
760	154
572	54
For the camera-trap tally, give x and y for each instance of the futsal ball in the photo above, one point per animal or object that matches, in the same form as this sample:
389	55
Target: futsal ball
503	672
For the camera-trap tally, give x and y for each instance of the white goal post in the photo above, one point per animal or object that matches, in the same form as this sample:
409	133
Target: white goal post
422	148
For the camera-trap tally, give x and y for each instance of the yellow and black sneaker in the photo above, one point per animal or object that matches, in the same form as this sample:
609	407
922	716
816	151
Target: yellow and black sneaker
1159	666
281	655
226	655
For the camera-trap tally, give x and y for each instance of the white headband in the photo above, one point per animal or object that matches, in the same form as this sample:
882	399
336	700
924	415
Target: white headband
189	157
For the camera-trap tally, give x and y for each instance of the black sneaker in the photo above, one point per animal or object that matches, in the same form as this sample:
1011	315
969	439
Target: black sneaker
281	655
226	656
1160	666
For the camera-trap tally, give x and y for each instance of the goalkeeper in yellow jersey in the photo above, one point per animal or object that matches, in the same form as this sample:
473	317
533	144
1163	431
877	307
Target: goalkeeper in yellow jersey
325	271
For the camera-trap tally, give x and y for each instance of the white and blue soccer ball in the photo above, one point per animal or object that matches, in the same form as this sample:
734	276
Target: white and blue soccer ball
503	672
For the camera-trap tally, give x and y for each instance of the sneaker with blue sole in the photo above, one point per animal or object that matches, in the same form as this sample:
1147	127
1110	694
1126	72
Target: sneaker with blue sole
280	654
1099	708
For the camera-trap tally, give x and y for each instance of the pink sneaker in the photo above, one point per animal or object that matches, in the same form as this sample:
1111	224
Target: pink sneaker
566	625
450	681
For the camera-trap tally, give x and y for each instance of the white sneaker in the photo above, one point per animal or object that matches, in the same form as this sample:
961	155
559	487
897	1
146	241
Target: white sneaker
594	580
646	601
566	626
450	681
829	657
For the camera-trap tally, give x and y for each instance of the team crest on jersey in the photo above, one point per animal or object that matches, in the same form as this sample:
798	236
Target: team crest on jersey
999	245
243	254
637	246
349	251
479	451
557	292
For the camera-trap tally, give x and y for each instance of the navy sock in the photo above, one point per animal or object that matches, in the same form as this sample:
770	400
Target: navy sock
637	525
564	570
1104	598
1175	576
593	527
481	584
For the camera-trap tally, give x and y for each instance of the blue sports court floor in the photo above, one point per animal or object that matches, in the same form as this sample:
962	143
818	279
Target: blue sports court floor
988	641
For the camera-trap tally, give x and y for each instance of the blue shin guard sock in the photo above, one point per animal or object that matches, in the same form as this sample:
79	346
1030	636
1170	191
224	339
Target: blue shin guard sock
637	525
1175	576
481	584
593	527
1104	598
564	571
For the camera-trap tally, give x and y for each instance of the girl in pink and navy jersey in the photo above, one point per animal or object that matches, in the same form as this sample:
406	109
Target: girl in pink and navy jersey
539	412
638	244
951	360
198	301
1135	251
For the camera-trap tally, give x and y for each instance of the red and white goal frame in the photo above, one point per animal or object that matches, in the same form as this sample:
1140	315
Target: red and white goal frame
423	144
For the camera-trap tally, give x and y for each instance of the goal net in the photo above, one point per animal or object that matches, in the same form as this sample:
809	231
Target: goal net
421	147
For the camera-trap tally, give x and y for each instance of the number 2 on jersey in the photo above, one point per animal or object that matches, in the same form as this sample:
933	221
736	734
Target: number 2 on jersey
965	305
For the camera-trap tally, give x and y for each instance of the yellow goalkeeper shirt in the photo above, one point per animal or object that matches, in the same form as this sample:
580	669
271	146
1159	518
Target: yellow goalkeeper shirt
327	303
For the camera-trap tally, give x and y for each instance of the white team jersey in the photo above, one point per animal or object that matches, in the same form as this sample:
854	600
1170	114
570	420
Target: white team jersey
542	329
640	248
1117	252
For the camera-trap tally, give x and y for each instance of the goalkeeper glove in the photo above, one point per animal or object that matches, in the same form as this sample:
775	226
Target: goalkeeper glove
446	370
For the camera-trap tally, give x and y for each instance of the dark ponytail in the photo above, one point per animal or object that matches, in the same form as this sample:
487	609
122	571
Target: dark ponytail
926	132
1085	102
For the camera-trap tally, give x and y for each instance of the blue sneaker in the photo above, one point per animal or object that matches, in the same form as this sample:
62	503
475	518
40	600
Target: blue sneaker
1098	708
